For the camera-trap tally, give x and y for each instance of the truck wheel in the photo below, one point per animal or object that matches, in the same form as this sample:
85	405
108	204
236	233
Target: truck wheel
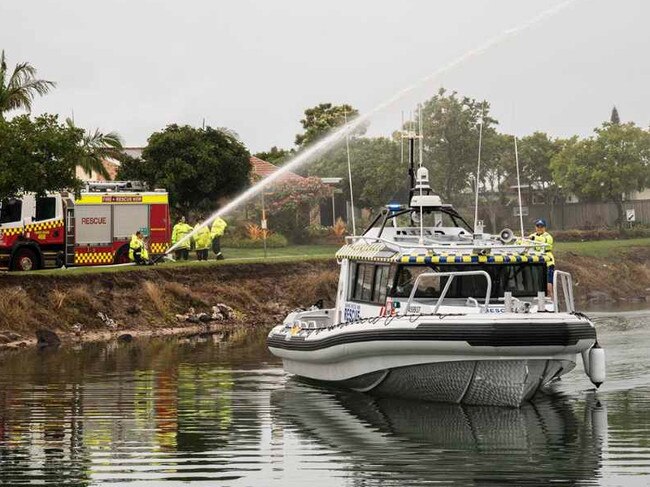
122	255
25	260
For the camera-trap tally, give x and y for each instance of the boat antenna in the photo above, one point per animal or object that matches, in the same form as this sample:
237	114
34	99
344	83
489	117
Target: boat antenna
521	215
410	135
401	148
347	146
478	166
419	166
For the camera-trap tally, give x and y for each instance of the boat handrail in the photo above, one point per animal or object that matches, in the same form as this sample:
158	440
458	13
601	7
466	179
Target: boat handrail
469	246
451	276
565	281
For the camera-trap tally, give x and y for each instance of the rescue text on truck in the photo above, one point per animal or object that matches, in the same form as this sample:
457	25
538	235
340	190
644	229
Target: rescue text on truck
93	229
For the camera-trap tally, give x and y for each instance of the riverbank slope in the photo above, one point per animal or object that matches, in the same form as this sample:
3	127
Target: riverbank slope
169	299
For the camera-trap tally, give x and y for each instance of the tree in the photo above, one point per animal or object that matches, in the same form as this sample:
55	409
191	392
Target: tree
321	119
38	156
289	204
605	167
275	155
451	134
98	146
535	154
614	118
199	167
377	174
18	89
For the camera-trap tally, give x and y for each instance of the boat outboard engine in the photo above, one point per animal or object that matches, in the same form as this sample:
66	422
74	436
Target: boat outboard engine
594	363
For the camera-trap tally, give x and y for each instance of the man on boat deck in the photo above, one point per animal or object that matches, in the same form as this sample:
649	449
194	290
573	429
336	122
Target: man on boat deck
543	237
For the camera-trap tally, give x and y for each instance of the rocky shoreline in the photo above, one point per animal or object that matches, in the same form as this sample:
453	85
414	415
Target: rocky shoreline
224	299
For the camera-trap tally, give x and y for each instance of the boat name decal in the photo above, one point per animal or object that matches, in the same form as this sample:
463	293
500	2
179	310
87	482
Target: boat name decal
496	310
352	312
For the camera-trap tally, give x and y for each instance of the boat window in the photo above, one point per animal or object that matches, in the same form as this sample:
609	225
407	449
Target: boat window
45	208
10	210
406	277
521	280
363	282
380	287
370	283
366	286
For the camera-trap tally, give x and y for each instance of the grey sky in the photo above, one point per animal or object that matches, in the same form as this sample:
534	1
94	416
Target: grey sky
254	66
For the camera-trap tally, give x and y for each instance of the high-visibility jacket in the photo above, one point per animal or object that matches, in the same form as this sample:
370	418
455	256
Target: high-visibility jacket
202	238
137	244
544	238
181	230
218	227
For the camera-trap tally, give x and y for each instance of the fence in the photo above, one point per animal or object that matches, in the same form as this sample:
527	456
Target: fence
567	216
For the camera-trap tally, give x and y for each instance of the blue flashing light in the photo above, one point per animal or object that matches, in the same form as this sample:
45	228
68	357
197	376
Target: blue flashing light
394	206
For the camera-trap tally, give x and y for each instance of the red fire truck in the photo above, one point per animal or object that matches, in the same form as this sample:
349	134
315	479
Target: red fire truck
93	229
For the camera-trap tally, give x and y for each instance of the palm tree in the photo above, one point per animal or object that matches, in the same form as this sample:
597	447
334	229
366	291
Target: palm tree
98	146
19	89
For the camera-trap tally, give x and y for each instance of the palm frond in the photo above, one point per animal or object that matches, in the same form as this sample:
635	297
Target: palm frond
22	87
97	147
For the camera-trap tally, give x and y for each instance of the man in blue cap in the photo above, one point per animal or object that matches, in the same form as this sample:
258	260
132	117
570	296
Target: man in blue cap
543	237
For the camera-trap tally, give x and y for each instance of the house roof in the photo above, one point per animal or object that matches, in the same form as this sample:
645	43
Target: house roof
261	169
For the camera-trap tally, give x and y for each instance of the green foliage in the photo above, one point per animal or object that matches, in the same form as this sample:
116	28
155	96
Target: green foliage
321	119
275	240
18	89
276	155
199	167
98	146
605	167
535	154
451	134
316	231
38	155
601	234
377	174
295	194
288	205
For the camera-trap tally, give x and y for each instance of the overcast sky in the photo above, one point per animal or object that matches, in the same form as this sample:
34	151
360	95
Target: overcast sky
135	66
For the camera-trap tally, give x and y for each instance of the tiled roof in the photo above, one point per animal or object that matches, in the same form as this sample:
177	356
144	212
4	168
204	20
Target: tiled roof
261	169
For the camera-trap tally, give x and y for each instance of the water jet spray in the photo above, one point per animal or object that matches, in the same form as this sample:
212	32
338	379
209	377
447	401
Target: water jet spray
339	135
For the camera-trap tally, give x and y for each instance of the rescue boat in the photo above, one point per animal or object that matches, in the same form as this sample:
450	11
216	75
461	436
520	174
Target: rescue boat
427	308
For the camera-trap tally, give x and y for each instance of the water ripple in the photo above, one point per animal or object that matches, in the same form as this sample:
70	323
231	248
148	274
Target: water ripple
178	413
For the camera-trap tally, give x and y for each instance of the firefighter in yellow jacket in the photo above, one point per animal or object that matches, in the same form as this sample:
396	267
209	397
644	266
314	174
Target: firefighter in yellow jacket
218	227
202	241
543	237
138	250
180	231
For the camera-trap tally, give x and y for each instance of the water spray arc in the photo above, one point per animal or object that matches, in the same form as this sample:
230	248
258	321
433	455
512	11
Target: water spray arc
344	131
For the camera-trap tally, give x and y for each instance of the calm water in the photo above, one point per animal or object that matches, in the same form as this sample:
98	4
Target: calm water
177	412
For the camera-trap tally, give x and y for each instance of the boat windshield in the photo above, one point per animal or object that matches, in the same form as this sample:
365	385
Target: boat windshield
522	280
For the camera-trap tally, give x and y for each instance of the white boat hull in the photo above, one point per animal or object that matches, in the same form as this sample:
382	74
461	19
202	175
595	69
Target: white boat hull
486	360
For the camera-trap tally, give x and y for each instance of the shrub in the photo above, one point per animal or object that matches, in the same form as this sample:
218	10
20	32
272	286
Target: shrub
255	232
600	234
340	228
274	240
317	231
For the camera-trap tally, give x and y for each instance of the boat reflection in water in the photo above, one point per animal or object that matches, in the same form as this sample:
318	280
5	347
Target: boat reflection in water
551	440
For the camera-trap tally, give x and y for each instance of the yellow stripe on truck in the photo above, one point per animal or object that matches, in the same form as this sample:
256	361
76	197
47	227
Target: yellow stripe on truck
122	199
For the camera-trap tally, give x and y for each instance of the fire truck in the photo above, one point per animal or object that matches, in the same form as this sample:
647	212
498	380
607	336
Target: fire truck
93	229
